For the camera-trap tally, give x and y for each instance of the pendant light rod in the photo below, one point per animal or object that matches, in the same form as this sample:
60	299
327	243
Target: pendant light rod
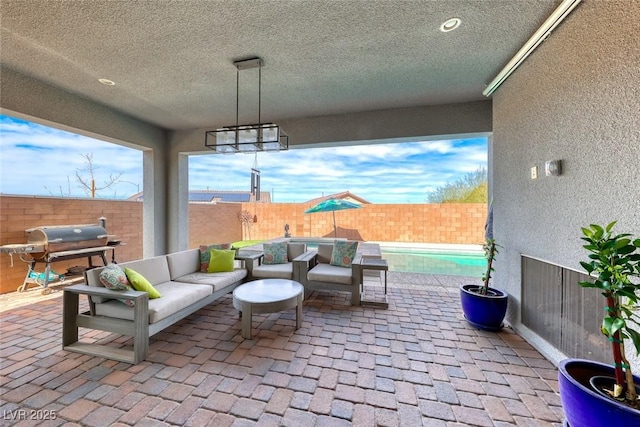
247	64
237	95
259	91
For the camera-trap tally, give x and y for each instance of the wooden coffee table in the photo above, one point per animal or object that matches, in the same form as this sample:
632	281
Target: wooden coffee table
267	296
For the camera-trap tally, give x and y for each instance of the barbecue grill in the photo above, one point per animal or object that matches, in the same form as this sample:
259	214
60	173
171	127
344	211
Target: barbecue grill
47	244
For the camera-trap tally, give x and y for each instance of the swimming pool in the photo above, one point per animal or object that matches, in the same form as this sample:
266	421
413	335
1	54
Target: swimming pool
435	260
458	260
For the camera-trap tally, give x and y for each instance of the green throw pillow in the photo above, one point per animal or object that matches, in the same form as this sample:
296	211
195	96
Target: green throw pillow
343	253
275	253
221	260
205	251
141	284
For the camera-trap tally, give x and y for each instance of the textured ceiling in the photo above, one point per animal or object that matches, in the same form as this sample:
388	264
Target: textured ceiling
172	61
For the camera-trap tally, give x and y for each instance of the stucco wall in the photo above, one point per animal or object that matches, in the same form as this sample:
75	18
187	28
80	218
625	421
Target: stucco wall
577	98
33	100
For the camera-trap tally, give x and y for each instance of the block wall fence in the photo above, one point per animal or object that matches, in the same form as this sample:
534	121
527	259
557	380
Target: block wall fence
419	223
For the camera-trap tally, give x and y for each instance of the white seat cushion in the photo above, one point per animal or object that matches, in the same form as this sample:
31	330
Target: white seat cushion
216	280
274	271
175	297
330	273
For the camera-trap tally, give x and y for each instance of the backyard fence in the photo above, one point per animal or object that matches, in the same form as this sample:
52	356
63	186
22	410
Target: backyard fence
456	223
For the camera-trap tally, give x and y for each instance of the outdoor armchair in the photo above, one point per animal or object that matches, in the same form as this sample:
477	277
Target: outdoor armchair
270	268
316	272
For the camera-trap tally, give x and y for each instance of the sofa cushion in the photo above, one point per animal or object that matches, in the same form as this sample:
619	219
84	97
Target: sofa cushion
216	280
183	262
113	277
275	253
175	297
275	271
343	253
221	261
140	283
155	270
205	254
330	273
324	252
295	249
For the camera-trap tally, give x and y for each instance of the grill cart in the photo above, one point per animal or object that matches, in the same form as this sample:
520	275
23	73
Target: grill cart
49	244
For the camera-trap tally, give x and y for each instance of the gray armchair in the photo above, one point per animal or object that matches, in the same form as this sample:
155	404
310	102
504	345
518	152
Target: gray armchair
278	271
315	273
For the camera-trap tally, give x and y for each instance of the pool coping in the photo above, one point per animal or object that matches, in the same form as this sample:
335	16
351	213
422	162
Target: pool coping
443	247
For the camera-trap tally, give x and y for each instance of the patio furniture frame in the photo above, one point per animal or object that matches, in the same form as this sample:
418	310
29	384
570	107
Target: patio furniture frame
305	263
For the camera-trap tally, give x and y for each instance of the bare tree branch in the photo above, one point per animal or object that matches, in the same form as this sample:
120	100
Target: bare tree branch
88	184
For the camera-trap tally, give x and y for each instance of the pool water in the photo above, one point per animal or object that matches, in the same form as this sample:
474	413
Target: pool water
428	260
417	260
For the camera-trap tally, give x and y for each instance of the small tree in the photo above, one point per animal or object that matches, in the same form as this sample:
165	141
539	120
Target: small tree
614	262
88	185
490	251
247	221
471	188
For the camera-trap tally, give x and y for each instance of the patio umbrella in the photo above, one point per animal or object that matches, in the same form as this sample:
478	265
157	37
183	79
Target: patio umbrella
333	205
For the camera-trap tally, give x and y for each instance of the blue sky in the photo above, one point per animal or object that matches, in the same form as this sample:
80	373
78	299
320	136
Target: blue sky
38	160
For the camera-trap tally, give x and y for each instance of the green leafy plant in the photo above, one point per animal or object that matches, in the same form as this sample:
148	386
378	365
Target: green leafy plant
614	262
490	251
471	188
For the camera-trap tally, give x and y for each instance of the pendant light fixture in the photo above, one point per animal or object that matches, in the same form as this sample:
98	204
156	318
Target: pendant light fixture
247	138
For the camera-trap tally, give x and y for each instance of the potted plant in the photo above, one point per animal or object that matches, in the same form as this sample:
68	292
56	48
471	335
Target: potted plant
593	393
483	306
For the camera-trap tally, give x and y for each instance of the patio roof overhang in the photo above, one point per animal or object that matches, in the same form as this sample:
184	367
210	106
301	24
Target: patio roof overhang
334	77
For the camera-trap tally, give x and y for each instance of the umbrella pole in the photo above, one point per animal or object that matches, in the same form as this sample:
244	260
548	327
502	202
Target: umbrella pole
335	230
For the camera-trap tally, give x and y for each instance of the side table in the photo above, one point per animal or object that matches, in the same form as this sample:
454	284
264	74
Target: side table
369	294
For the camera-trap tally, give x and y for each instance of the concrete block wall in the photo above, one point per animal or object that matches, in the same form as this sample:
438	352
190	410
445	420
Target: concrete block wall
458	223
17	214
210	224
220	223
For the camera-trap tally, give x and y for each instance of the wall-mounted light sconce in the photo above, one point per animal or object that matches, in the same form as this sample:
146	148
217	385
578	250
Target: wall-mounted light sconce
553	168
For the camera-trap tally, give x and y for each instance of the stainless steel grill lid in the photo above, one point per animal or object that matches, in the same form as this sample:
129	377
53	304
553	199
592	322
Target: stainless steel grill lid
68	237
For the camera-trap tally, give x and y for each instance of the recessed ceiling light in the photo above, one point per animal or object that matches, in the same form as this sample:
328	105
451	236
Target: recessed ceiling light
106	82
450	25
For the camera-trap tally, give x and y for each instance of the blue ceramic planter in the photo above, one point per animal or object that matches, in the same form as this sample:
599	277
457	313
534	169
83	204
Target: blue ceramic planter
582	405
484	311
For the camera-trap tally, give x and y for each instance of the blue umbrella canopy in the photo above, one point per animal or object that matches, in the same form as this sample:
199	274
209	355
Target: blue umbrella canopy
333	205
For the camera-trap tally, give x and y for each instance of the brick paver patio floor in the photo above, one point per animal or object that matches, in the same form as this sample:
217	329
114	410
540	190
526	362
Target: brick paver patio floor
416	363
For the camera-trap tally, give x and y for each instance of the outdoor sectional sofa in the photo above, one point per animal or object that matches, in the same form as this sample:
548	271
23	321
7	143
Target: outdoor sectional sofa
177	276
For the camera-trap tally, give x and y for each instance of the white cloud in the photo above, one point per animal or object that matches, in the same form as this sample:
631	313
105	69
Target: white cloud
38	160
34	156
